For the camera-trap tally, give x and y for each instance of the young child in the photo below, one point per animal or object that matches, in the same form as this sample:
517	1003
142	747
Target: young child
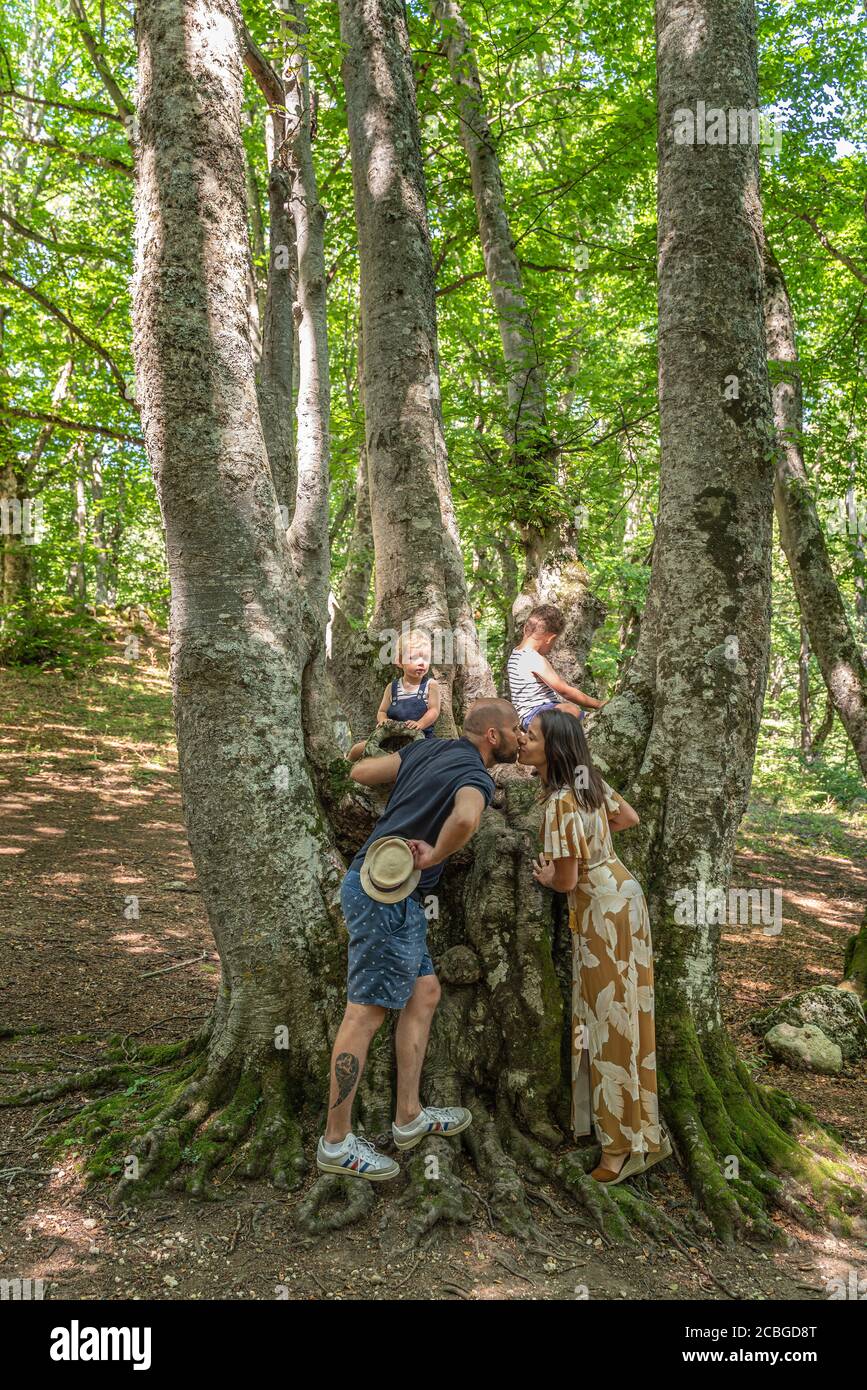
412	699
533	682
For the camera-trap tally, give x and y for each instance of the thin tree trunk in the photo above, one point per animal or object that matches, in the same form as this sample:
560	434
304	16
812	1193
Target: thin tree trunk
524	367
275	358
257	240
16	556
551	572
804	716
102	579
308	535
419	569
309	542
855	514
803	540
76	585
354	587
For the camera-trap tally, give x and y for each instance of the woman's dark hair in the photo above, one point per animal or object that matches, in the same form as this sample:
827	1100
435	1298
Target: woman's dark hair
568	758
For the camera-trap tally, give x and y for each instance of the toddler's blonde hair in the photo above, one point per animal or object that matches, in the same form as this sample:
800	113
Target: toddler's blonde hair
417	637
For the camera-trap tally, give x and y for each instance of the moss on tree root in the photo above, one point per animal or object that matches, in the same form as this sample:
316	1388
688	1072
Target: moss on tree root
736	1140
176	1128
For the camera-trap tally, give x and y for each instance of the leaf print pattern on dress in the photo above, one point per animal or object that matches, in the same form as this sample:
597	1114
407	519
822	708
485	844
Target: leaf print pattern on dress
612	982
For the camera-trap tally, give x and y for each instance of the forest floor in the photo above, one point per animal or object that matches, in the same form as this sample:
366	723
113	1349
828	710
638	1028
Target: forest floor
97	905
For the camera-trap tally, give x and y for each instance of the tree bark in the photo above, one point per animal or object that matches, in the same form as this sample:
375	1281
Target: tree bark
354	586
261	846
308	534
803	540
804	714
524	367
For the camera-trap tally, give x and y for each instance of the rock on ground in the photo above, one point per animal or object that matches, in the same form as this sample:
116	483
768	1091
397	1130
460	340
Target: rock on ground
837	1012
807	1048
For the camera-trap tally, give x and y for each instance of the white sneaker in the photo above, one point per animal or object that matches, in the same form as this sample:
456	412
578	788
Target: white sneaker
432	1120
356	1158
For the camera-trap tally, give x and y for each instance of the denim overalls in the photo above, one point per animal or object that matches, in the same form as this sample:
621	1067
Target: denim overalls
405	707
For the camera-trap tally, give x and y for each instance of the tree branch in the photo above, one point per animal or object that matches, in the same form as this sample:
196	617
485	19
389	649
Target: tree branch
261	71
80	156
51	308
62	423
124	106
102	111
831	249
66	248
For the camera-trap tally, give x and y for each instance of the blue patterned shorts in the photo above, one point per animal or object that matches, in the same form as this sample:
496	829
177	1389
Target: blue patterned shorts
387	946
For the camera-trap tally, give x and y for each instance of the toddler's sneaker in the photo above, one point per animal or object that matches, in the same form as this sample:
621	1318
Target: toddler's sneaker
355	1158
432	1120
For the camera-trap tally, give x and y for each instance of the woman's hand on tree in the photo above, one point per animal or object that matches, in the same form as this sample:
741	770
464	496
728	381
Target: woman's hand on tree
543	871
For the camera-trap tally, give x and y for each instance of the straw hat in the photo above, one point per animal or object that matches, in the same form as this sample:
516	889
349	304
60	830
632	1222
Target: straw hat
388	874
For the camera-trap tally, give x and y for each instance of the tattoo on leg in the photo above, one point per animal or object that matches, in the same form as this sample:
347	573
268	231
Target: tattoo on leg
346	1075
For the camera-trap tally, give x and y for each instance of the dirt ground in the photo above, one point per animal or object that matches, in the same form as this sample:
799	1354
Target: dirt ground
102	933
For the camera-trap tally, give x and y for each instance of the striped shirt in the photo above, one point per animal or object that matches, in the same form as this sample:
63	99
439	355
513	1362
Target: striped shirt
526	688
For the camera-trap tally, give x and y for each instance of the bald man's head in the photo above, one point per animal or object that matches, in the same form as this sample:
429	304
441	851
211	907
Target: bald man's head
489	713
494	727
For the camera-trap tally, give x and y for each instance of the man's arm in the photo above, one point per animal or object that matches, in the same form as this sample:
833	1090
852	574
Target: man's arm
462	824
556	682
371	772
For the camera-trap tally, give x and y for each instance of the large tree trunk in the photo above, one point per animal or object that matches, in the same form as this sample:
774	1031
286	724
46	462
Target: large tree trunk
419	569
261	846
698	679
831	638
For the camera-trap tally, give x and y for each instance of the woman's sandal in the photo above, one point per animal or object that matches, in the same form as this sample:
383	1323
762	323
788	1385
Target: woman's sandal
631	1166
663	1152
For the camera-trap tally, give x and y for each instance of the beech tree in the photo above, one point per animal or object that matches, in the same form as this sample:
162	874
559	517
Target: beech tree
270	814
552	572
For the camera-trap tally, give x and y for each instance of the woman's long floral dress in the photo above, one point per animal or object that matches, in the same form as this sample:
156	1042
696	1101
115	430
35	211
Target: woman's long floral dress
613	1037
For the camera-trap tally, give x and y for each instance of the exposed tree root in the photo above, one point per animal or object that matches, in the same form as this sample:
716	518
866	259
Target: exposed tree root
435	1192
126	1068
90	1079
219	1114
178	1118
737	1144
354	1199
504	1188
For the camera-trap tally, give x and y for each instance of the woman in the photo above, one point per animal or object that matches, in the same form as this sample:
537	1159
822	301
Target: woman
613	1042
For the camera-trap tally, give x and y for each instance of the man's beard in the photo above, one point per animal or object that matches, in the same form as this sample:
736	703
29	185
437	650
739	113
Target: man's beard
502	753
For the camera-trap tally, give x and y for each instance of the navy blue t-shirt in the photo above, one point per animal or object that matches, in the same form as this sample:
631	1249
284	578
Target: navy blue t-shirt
431	772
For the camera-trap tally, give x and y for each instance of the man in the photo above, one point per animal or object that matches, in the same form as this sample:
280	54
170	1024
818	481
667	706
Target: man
441	787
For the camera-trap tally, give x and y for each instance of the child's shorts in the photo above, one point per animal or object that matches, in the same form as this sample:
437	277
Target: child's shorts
387	946
539	709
